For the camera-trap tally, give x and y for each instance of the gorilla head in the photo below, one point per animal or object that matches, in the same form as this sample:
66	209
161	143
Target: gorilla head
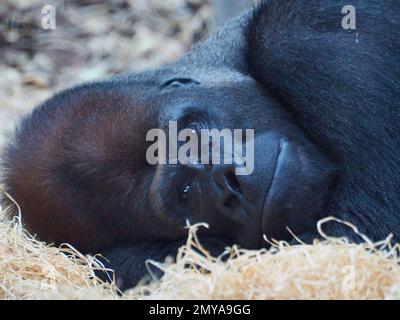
78	164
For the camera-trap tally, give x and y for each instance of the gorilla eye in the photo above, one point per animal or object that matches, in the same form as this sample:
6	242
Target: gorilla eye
178	83
197	126
185	192
194	128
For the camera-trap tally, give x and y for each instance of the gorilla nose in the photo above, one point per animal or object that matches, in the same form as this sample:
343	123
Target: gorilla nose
240	198
229	194
224	176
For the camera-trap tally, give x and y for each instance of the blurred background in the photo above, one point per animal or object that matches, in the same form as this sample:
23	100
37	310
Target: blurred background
42	52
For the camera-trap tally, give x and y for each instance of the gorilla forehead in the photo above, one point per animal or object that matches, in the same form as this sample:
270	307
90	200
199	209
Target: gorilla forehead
221	93
211	77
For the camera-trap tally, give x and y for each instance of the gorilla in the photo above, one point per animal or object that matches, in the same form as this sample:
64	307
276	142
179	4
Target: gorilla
324	104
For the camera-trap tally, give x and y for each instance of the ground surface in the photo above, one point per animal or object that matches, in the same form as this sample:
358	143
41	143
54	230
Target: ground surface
93	40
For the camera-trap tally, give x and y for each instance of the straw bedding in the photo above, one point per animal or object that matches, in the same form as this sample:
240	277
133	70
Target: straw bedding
329	269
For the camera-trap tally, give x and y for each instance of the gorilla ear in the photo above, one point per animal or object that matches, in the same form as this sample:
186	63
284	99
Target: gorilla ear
178	83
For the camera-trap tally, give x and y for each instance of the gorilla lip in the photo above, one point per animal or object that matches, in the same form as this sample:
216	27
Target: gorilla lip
280	146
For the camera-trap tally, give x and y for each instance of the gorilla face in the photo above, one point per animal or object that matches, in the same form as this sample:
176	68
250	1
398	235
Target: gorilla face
291	181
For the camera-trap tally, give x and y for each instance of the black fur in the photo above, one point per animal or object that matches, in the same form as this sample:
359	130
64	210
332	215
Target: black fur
343	93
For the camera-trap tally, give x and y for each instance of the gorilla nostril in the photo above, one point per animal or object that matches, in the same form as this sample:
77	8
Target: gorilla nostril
231	202
232	182
179	82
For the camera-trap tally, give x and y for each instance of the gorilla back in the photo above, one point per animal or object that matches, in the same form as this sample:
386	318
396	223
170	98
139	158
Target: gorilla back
324	105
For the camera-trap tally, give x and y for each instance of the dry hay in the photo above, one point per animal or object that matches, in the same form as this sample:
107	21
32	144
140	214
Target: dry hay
329	269
30	269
